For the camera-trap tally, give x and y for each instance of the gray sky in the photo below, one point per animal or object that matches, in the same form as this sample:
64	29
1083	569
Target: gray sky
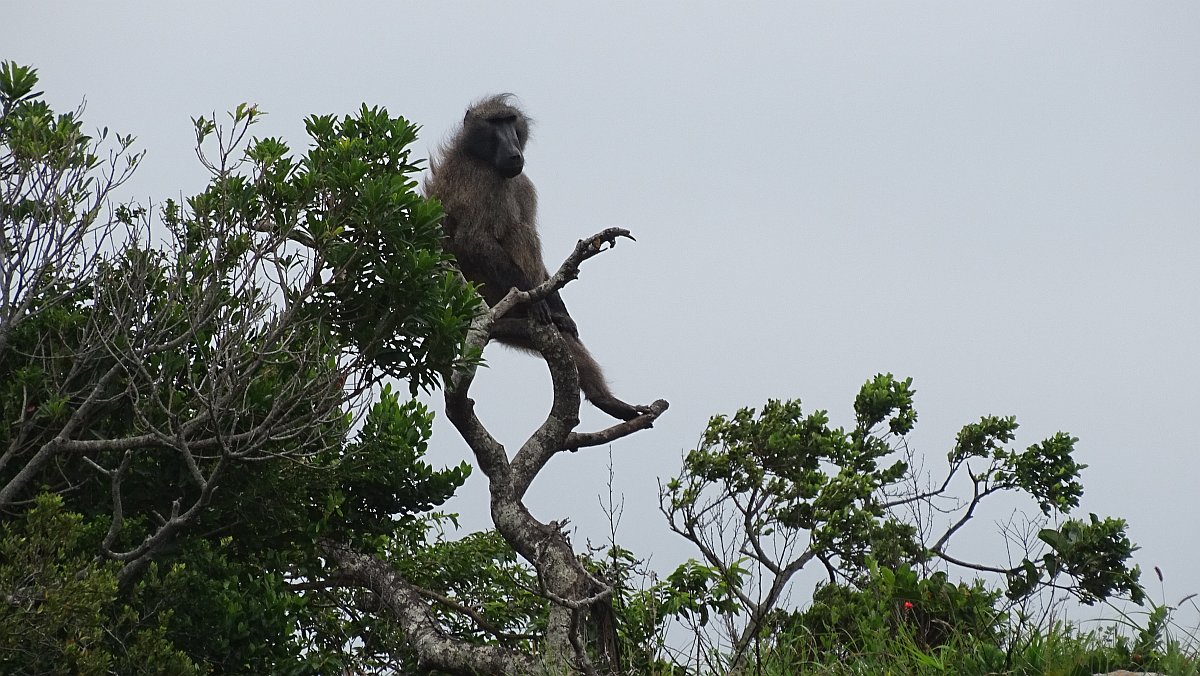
1000	200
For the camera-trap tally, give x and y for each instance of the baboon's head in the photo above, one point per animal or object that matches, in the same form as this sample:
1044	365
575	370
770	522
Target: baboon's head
494	132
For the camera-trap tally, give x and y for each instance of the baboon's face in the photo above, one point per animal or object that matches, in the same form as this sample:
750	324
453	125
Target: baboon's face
498	139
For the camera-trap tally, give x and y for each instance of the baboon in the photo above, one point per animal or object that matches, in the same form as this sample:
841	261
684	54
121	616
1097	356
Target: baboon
491	228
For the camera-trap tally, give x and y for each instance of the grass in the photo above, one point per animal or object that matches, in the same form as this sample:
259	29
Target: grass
1061	649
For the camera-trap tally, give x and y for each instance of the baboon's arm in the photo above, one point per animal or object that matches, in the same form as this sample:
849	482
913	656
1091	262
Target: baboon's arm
484	258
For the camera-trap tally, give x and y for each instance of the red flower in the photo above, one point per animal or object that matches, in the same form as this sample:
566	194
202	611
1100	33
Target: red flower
908	605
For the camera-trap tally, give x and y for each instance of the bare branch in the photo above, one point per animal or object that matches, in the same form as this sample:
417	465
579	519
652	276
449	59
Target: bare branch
973	566
577	440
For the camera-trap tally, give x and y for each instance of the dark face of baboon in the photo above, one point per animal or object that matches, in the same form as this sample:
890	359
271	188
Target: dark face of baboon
495	132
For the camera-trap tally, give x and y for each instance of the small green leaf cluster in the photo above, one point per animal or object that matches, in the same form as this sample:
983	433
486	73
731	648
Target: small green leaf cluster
1094	553
931	610
64	623
1046	470
34	137
693	593
382	477
483	572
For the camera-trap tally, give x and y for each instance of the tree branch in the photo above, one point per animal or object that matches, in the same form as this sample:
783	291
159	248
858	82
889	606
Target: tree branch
563	578
578	440
406	603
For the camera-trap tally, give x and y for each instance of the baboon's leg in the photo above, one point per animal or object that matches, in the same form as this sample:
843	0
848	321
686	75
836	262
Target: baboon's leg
513	331
595	388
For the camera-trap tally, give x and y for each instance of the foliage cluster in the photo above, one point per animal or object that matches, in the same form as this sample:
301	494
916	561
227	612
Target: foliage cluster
931	610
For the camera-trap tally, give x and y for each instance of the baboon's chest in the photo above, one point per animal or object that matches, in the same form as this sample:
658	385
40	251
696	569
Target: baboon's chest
514	226
523	244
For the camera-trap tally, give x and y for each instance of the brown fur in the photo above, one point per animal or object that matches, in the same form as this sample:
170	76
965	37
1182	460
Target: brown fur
491	228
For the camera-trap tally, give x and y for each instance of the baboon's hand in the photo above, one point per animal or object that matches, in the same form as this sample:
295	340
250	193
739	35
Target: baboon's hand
565	324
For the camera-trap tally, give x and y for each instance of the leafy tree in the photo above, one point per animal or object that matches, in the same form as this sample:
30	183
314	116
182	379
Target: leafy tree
177	388
776	490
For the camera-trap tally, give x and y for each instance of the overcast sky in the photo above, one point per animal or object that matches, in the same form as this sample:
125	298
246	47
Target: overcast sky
1000	200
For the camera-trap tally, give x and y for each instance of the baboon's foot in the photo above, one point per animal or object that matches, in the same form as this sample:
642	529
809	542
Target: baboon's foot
619	409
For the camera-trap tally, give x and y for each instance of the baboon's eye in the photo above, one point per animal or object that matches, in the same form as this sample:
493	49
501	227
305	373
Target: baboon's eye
504	119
